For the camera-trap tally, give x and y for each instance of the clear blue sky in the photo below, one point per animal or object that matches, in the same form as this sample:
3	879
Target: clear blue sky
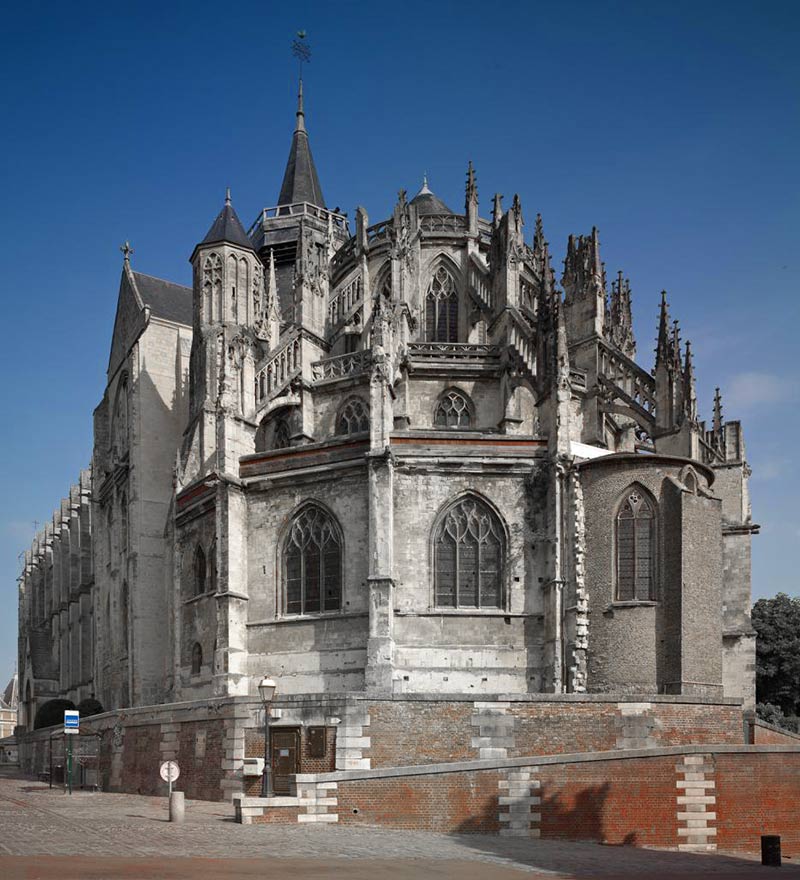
672	127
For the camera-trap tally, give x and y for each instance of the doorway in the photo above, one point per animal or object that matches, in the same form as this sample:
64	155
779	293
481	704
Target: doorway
285	747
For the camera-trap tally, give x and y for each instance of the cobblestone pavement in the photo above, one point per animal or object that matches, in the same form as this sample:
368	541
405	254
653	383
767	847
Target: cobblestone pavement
45	833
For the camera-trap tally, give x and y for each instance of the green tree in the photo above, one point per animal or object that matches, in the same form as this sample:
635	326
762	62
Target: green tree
777	625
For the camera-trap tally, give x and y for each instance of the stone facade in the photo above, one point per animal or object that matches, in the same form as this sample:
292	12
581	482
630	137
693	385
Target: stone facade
399	462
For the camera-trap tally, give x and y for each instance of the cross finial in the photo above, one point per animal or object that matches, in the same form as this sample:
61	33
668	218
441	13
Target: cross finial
127	250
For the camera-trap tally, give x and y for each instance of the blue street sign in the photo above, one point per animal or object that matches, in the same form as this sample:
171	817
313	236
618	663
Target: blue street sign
72	721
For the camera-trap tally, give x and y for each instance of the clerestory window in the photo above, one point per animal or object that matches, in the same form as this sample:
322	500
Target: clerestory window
441	308
312	556
635	550
468	557
453	410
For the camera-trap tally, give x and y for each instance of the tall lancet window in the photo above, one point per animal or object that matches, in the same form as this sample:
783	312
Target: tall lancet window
312	563
441	308
468	554
635	550
212	288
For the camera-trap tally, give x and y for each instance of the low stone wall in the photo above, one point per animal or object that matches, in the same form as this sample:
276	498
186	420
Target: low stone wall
688	797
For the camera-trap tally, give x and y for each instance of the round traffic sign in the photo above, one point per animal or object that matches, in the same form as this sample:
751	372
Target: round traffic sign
170	771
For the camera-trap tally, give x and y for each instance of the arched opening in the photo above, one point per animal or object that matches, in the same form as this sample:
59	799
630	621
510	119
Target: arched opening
453	410
353	417
635	546
468	556
51	713
197	658
441	308
312	563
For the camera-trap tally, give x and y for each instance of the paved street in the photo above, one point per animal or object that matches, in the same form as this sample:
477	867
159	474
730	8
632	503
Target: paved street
47	834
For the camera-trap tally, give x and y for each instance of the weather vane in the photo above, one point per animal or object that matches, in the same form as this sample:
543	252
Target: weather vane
301	50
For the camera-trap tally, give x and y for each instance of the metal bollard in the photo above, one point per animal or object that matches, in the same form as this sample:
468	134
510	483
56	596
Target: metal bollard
771	850
176	807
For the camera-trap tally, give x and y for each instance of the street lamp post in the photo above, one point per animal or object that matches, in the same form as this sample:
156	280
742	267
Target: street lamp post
266	690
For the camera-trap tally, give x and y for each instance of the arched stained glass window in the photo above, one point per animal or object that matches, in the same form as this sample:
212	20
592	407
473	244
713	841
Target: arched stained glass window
199	571
353	417
313	563
468	550
197	658
635	551
441	308
453	410
280	437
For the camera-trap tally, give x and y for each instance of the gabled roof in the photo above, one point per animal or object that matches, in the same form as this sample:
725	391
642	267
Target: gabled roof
172	302
167	300
227	228
427	202
300	180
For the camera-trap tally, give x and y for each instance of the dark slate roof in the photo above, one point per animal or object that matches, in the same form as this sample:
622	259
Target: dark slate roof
300	180
227	227
427	202
173	302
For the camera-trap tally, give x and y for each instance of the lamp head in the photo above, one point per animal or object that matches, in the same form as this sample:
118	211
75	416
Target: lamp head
266	689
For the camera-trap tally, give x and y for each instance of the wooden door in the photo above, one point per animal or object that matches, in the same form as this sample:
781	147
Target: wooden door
285	757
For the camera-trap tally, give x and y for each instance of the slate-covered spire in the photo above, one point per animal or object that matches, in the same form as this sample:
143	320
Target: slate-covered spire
663	344
227	228
300	180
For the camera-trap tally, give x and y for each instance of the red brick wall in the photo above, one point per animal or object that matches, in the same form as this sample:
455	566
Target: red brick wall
462	802
201	775
404	732
758	794
419	732
631	801
141	758
766	736
555	728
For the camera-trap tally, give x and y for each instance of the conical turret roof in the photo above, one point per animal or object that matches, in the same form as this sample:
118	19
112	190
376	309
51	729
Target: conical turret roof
227	227
300	180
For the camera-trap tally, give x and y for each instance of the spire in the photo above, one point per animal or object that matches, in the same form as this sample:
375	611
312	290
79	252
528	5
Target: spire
301	115
676	347
717	422
497	210
689	391
300	180
227	227
127	250
471	202
662	346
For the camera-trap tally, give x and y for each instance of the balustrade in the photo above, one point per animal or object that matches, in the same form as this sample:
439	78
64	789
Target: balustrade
341	365
279	370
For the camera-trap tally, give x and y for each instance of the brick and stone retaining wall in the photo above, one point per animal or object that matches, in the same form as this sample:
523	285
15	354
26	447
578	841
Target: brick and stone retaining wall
210	739
690	797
